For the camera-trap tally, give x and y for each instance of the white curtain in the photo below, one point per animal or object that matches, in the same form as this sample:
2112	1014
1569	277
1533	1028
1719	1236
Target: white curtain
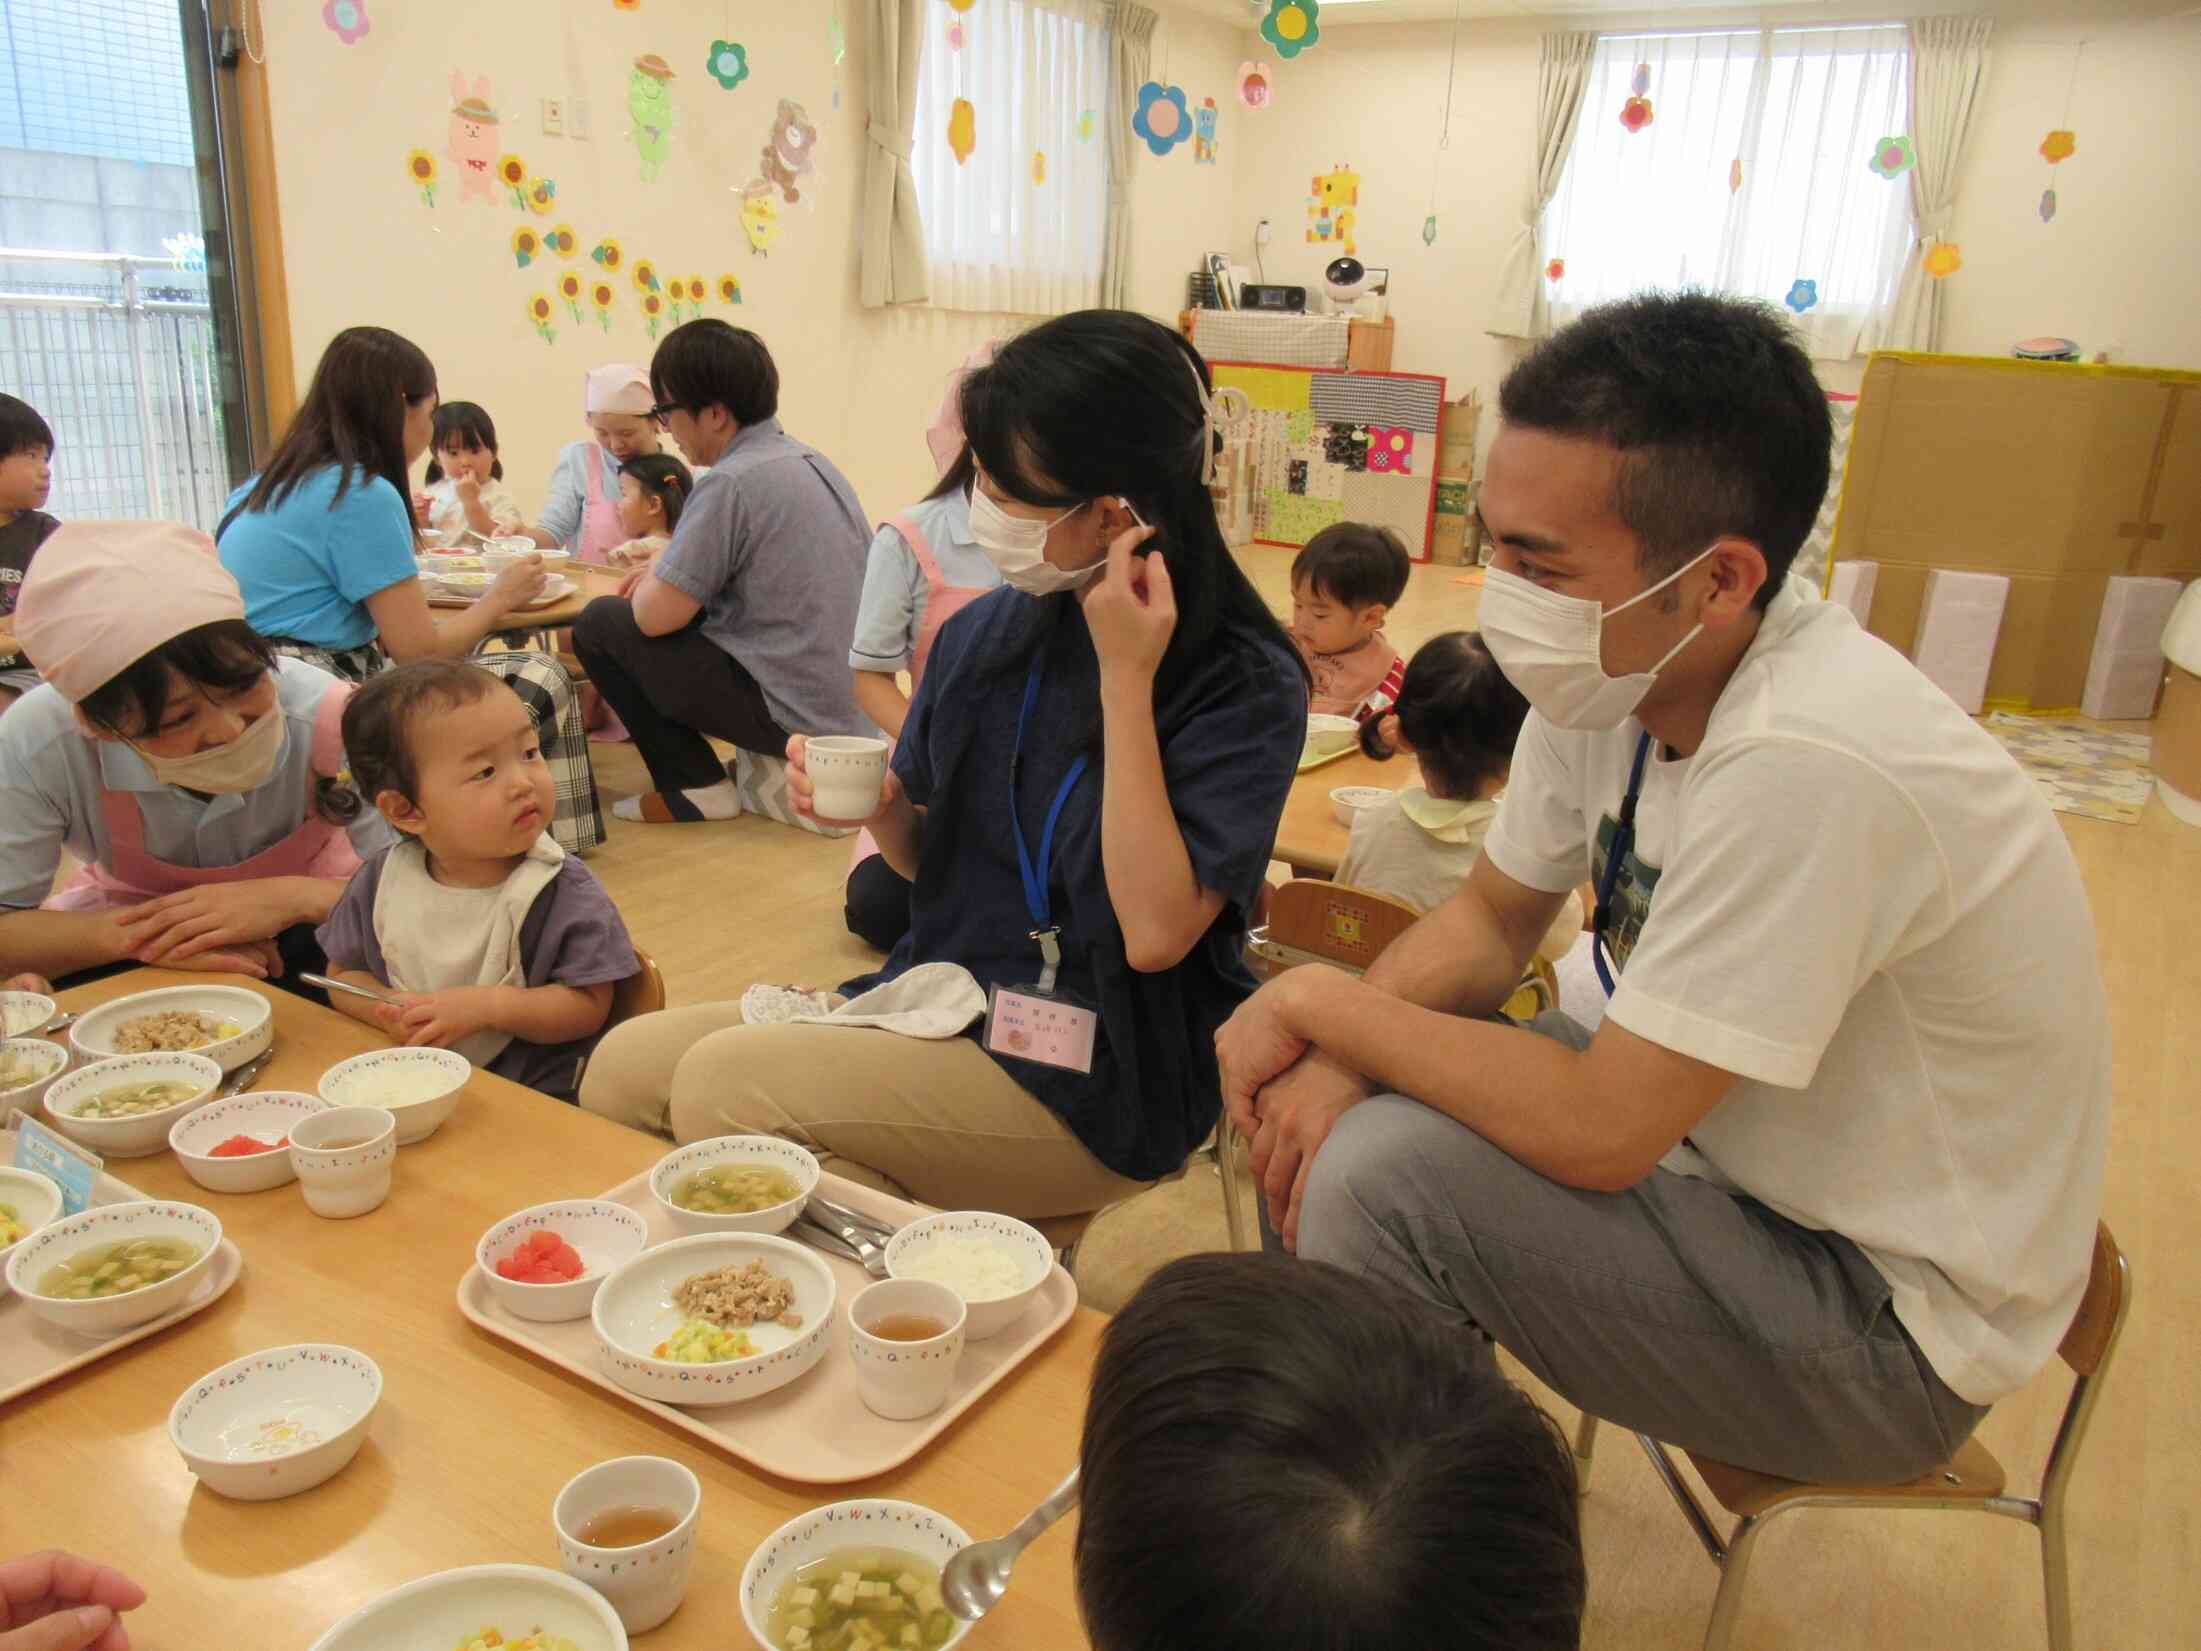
892	231
1752	177
1017	223
1562	72
1131	43
1948	69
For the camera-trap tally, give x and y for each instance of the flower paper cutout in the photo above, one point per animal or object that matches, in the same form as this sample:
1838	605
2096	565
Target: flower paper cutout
563	241
539	311
1291	26
601	294
2059	145
1556	270
653	312
728	63
2047	207
420	167
1640	82
1039	167
957	39
347	20
569	288
729	289
607	253
525	244
626	5
1162	120
1635	114
1429	230
1804	295
1944	259
1891	157
1255	85
1088	124
962	129
542	194
1734	175
960	5
644	275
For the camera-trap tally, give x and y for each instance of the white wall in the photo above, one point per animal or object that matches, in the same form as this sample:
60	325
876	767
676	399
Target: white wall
2114	268
860	384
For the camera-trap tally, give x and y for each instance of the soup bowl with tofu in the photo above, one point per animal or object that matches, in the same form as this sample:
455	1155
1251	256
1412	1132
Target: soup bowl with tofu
875	1560
124	1107
115	1265
734	1184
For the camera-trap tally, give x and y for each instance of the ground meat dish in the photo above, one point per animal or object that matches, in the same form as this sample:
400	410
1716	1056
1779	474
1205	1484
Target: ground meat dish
171	1029
739	1296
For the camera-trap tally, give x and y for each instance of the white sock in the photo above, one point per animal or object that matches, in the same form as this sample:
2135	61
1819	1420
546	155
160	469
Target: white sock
713	802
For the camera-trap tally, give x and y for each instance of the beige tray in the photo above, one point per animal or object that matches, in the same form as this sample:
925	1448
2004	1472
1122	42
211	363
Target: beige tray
34	1352
815	1429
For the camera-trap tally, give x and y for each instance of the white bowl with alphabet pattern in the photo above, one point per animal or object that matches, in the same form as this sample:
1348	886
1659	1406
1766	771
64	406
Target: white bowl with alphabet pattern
278	1421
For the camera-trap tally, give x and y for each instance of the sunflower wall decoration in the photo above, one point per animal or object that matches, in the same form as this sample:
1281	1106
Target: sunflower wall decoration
512	173
729	289
525	245
420	168
569	288
539	311
601	293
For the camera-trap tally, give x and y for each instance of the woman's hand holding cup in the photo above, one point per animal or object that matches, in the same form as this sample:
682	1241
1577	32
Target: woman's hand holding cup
840	780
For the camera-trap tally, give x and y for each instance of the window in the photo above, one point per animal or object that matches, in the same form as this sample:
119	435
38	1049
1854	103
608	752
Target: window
1017	223
1798	112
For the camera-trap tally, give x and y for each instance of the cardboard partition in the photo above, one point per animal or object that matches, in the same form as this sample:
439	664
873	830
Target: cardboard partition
2053	475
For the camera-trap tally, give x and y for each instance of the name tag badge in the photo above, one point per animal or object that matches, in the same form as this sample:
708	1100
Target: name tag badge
60	1160
1037	1026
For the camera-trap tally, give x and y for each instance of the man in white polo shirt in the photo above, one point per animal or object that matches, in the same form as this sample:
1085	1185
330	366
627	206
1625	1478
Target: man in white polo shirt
1823	1186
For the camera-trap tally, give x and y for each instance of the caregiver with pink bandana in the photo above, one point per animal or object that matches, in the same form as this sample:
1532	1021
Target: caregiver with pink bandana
191	772
581	513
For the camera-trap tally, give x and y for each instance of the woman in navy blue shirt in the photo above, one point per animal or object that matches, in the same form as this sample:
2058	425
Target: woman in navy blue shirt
1084	796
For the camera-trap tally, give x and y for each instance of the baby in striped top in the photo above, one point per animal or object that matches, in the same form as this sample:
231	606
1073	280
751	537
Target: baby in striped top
1344	584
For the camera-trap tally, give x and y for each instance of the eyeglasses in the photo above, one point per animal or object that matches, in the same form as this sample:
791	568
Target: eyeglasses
661	414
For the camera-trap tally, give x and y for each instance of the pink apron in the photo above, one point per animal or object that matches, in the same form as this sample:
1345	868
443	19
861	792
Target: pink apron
315	849
600	527
943	602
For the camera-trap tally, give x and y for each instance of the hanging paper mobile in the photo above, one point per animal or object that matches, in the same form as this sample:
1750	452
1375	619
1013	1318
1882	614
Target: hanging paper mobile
1039	167
1943	259
1556	270
420	166
962	129
1254	85
650	106
790	151
347	20
540	310
957	39
728	63
1802	296
960	5
1205	121
472	144
1891	157
1292	26
2048	205
1640	82
626	5
1161	118
1429	230
1734	174
2059	145
1333	207
760	216
1635	114
1088	124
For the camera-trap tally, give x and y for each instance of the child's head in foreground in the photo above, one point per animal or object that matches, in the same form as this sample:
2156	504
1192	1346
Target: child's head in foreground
1457	713
652	491
448	753
1279	1456
1345	581
26	457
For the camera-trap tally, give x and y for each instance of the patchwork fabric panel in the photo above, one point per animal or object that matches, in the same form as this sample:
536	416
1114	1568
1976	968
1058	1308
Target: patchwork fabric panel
1391	449
1363	398
1294	521
1400	503
1296	477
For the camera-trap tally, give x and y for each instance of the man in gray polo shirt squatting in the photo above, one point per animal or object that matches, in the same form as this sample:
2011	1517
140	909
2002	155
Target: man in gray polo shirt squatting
740	628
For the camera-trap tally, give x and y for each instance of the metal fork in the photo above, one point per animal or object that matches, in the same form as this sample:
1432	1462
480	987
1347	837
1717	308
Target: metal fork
858	1249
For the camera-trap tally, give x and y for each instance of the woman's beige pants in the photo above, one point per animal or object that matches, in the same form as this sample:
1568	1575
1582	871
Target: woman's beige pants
935	1120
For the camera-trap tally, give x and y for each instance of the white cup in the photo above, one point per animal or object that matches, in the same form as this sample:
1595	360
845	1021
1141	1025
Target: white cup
903	1380
644	1583
340	1182
847	773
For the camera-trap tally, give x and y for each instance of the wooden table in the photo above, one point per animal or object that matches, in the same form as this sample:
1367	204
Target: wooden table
593	582
1308	838
473	1438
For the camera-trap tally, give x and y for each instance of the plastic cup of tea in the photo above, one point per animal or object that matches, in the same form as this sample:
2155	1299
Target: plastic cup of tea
627	1529
905	1336
344	1158
846	775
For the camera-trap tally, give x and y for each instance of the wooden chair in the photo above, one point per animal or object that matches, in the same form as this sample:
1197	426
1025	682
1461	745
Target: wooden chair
641	993
1971	1481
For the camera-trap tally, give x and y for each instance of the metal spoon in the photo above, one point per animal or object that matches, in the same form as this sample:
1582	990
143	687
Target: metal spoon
242	1079
850	1243
328	985
843	1220
978	1576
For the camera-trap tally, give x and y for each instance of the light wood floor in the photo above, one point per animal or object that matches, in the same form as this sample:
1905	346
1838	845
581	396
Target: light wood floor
724	905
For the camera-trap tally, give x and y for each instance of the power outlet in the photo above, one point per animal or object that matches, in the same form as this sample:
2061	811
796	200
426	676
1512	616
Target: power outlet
577	120
554	117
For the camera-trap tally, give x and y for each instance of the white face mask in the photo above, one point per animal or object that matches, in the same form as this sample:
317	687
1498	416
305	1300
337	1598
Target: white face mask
1017	545
245	764
1551	647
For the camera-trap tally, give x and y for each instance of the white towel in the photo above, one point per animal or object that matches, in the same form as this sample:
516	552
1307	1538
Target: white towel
933	1000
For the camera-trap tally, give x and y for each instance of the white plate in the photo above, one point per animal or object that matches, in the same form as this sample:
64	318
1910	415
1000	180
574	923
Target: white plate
634	1312
441	1611
94	1034
276	1422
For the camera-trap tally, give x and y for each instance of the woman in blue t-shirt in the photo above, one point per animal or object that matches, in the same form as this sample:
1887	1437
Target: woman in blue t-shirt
1084	796
322	543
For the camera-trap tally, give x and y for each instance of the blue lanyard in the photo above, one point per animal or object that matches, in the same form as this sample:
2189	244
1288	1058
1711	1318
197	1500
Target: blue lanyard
1038	898
1623	845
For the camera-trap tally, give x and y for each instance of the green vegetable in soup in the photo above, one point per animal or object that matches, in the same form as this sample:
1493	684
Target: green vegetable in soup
12	1230
129	1099
861	1599
117	1269
735	1189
